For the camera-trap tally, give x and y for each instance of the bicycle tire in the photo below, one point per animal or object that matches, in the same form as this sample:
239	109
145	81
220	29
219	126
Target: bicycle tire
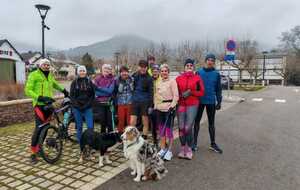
52	142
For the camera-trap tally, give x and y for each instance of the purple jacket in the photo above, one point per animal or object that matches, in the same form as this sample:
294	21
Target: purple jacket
105	86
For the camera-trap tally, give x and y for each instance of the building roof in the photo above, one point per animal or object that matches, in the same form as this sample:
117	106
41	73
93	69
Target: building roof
5	40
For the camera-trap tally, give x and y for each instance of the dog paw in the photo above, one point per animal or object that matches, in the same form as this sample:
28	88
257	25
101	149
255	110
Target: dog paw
100	165
144	178
108	161
137	179
133	173
80	160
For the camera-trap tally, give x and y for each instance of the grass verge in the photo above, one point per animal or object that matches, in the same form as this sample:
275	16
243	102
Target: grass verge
16	129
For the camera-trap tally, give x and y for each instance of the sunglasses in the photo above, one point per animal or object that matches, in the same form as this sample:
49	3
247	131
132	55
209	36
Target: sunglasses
189	65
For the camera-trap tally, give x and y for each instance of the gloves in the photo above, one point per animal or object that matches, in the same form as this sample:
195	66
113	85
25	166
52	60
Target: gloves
186	93
66	93
45	99
120	88
218	106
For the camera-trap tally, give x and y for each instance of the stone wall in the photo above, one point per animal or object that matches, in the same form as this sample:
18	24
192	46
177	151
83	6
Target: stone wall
16	111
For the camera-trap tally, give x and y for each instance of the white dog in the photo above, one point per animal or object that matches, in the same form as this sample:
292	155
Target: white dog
142	156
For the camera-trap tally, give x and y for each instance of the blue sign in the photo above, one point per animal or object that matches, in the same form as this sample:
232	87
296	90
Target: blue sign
231	45
229	57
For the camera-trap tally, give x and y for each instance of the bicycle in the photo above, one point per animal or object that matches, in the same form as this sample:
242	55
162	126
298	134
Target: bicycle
52	136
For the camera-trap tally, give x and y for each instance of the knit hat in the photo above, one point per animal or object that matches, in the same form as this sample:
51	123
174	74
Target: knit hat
106	66
155	67
210	56
81	68
189	61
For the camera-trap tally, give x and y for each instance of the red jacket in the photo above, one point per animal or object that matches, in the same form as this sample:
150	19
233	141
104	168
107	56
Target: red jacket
189	80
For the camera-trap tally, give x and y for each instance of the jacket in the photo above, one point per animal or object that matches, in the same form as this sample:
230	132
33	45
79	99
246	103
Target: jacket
124	90
189	80
82	93
166	95
143	88
38	84
212	84
105	87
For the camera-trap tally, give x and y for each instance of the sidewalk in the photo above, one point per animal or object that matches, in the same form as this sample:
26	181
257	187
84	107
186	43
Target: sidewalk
17	173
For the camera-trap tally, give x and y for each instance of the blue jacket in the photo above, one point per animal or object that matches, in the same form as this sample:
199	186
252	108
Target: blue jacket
212	84
143	88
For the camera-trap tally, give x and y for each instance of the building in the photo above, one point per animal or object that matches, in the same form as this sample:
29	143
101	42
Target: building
275	64
12	66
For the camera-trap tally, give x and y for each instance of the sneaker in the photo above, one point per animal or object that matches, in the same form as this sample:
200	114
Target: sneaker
188	153
194	148
33	159
162	153
182	152
215	147
168	156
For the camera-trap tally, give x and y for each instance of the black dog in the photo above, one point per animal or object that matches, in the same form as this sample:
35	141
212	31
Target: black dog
100	142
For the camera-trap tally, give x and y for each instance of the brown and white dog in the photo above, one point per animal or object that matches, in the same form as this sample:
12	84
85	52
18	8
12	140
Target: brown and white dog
143	158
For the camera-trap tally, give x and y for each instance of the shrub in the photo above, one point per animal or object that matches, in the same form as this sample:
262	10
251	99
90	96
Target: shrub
10	91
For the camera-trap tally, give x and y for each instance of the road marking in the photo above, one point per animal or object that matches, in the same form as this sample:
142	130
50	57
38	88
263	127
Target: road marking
257	99
296	90
280	100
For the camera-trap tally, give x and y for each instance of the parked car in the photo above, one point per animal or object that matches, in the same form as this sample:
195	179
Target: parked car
224	82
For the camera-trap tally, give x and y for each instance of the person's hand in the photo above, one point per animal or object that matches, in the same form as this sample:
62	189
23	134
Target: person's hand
150	110
171	109
186	93
218	106
45	99
66	93
120	87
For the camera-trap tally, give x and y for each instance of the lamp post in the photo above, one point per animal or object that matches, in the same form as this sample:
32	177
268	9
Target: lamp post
264	66
43	10
117	54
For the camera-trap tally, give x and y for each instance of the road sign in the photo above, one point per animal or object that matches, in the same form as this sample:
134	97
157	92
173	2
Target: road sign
230	45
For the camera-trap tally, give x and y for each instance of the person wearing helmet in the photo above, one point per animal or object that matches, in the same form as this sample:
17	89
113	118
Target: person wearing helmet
39	86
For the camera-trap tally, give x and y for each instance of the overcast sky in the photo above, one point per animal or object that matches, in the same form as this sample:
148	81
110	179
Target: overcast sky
81	22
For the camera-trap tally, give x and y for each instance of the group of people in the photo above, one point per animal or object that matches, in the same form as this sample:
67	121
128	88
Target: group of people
149	96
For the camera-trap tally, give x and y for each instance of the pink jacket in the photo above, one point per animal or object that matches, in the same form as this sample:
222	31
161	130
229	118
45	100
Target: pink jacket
166	95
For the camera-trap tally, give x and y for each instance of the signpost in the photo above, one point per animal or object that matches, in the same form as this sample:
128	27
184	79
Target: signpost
229	57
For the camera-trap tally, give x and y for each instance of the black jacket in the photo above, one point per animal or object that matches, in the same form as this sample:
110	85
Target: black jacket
82	93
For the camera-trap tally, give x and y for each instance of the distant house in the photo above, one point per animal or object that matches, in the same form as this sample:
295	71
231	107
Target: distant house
12	66
275	64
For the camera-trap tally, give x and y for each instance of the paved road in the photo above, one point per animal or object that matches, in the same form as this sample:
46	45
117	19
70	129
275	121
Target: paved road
261	142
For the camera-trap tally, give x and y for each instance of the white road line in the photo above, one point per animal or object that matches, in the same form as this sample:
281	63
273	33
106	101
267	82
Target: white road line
280	100
257	99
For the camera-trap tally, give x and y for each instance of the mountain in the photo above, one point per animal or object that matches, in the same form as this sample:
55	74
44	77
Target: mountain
106	49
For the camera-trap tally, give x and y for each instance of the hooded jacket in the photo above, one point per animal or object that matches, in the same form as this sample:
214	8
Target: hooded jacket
39	85
189	80
105	87
82	93
143	88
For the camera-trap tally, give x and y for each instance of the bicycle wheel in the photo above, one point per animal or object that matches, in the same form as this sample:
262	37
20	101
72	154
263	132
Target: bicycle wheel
51	144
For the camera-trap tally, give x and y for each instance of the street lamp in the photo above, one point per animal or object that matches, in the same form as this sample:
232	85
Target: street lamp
117	54
264	66
43	10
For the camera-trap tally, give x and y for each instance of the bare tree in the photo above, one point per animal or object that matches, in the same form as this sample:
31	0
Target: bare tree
246	53
163	53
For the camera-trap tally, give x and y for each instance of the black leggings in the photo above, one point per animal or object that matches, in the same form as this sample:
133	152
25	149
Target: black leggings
103	115
211	111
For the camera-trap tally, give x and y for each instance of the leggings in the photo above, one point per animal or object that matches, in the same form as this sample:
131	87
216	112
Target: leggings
186	119
41	116
210	111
